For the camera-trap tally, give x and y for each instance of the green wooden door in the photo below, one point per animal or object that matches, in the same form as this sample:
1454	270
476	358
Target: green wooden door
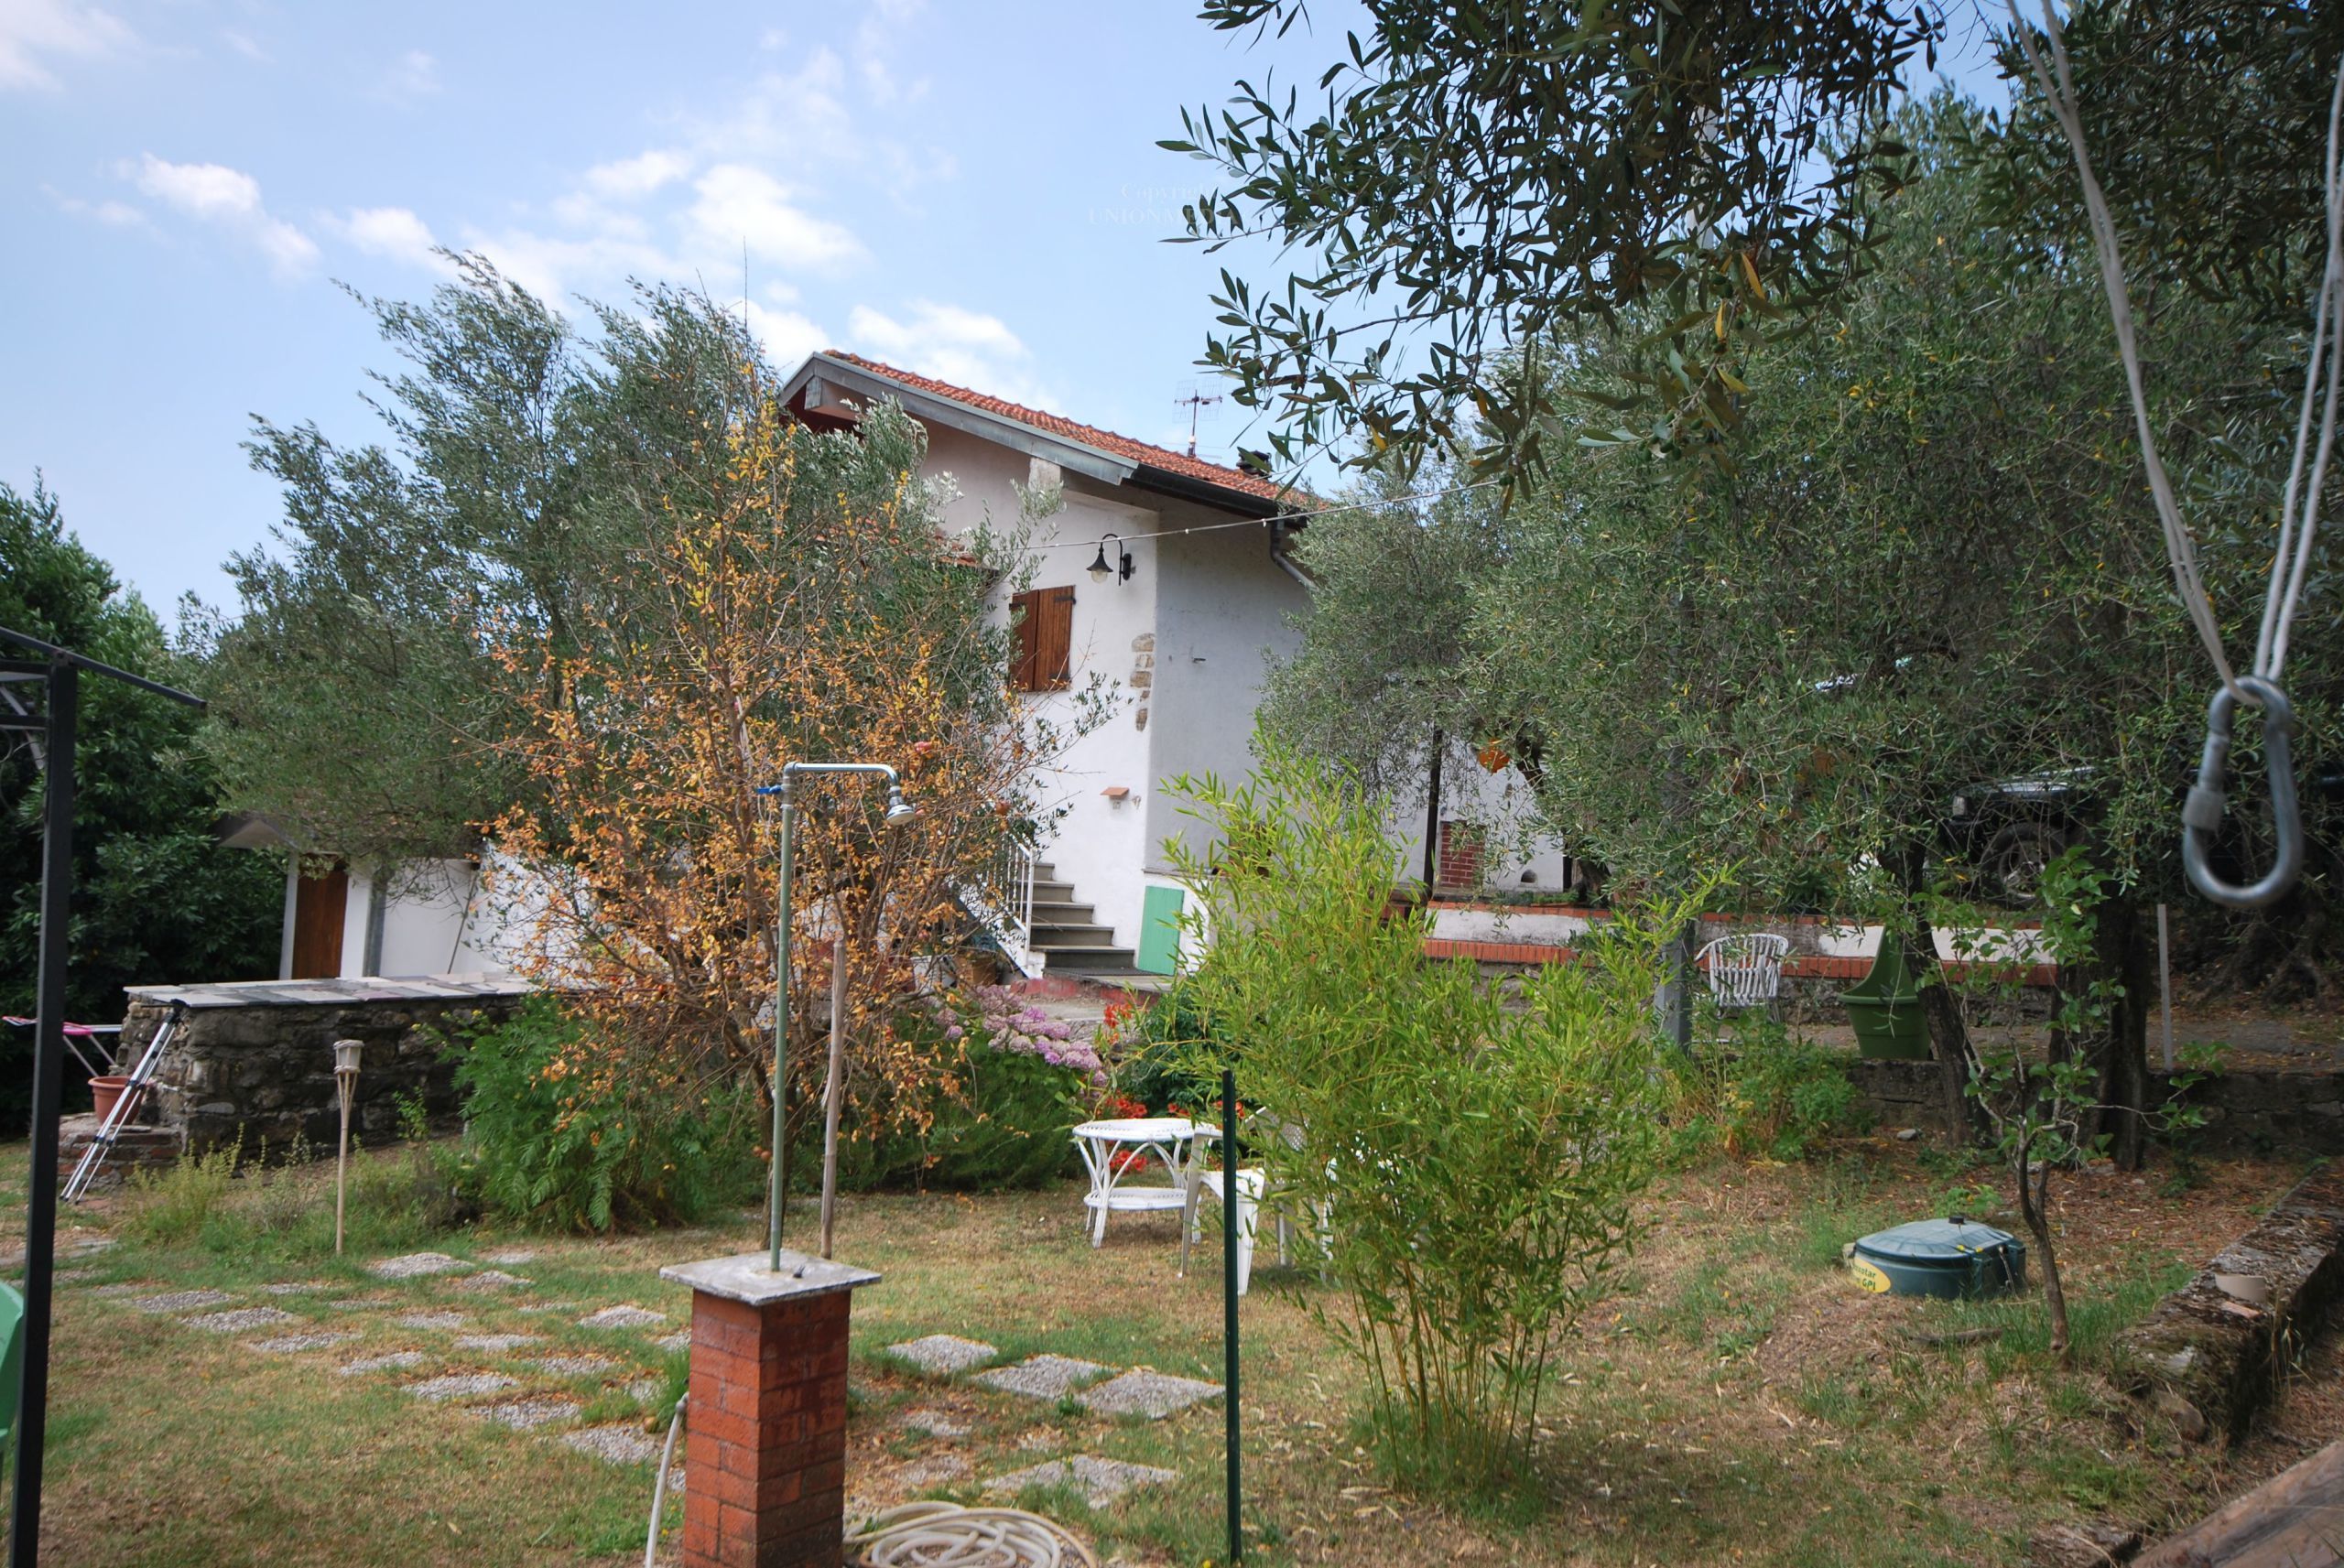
1159	930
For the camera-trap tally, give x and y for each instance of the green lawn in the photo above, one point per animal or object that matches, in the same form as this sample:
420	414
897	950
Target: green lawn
1739	1401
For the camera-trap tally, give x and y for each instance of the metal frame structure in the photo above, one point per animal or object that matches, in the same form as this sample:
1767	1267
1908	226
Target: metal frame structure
899	811
60	671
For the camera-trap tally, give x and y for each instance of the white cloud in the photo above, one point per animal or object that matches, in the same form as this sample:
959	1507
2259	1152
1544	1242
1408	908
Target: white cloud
953	343
247	45
32	28
214	193
413	75
393	231
788	336
631	180
210	190
114	214
739	205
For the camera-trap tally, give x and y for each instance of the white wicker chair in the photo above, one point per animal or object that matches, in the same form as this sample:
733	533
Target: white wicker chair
1745	969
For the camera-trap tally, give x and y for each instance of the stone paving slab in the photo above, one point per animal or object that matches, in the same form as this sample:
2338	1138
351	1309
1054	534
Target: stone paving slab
72	1276
1142	1391
524	1415
240	1320
941	1355
459	1386
359	1304
1042	1376
672	1343
936	1470
574	1366
511	1257
617	1444
622	1316
548	1306
1099	1481
497	1343
936	1423
416	1265
431	1320
396	1361
492	1279
286	1344
296	1287
181	1300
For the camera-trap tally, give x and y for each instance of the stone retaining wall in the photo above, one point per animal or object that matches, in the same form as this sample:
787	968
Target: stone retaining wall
255	1059
2254	1114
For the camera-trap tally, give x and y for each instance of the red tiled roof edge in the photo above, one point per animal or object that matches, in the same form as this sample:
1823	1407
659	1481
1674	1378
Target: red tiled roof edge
1155	457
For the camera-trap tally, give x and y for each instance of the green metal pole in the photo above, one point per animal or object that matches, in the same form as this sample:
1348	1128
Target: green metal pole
1229	1199
780	1025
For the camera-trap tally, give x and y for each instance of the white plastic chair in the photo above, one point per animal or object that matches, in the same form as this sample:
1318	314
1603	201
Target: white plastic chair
1206	1179
1745	969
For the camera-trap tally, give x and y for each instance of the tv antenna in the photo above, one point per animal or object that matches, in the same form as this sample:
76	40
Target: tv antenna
1195	401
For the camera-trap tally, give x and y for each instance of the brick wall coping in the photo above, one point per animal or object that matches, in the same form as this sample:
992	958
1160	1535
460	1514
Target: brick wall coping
1494	906
1797	965
746	1279
335	993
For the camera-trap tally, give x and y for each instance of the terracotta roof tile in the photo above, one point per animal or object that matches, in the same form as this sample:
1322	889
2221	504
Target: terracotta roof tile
1141	452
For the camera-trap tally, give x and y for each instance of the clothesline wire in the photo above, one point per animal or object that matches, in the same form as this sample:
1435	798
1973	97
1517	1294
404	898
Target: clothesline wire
1084	544
2299	507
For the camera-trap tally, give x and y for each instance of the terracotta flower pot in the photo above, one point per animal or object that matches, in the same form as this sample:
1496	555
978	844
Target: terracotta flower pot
104	1091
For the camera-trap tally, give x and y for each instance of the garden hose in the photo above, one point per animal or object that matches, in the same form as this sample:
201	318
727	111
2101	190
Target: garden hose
659	1487
946	1535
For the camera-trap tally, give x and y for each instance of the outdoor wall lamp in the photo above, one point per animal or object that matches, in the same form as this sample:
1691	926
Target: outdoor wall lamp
1122	569
899	811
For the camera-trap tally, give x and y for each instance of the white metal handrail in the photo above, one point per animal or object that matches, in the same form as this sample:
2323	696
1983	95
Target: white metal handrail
1006	906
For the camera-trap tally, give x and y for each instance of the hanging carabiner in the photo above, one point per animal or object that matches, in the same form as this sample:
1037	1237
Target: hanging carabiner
2202	812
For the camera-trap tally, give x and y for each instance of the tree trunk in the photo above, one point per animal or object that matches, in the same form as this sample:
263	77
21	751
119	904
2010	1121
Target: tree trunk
1948	1036
2123	953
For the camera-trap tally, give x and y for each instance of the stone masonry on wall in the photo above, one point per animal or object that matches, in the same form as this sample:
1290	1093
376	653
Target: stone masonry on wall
255	1059
2255	1114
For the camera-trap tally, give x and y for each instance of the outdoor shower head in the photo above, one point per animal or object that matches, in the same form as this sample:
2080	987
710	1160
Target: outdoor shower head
899	810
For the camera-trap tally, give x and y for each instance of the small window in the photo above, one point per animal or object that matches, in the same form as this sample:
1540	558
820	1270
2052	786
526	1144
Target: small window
1041	638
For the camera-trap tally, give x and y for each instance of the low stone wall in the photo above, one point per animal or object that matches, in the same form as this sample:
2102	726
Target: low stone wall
2254	1114
255	1060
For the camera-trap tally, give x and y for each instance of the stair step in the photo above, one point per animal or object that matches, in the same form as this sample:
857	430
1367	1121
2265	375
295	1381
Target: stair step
1063	913
1090	960
1053	892
1053	938
1043	871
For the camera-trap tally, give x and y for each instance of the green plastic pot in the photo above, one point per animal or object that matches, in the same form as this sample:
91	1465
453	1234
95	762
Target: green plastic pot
1885	1008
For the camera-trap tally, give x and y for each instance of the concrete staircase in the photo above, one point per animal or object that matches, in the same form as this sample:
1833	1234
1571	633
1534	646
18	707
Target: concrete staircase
1069	932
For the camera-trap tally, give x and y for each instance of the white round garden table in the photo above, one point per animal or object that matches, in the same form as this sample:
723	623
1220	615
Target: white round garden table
1103	1146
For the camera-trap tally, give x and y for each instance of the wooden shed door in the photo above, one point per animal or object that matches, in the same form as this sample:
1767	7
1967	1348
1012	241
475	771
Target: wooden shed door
317	906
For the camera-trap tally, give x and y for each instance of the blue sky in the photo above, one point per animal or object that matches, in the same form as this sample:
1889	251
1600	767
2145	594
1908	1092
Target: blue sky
968	189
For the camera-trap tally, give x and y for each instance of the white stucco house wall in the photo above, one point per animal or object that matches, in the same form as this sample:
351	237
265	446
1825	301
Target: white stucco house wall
1180	643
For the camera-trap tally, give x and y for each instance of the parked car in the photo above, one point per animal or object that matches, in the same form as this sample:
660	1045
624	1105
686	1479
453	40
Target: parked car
2010	829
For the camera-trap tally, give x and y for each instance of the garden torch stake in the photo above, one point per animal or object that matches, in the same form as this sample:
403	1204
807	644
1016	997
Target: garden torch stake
345	1082
1229	1198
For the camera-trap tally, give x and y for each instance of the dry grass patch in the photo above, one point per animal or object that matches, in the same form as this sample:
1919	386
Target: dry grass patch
1738	1402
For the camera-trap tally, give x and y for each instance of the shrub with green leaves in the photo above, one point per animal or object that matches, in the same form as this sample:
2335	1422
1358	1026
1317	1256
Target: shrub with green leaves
1004	1115
1475	1157
626	1155
1766	1096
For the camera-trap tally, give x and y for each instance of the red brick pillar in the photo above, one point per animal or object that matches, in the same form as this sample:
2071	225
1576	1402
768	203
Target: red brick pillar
765	1466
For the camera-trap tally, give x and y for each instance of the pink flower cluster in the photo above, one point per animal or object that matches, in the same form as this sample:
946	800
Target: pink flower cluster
1010	1026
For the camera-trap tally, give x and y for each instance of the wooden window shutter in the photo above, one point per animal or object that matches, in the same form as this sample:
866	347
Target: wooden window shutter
1054	639
1024	613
